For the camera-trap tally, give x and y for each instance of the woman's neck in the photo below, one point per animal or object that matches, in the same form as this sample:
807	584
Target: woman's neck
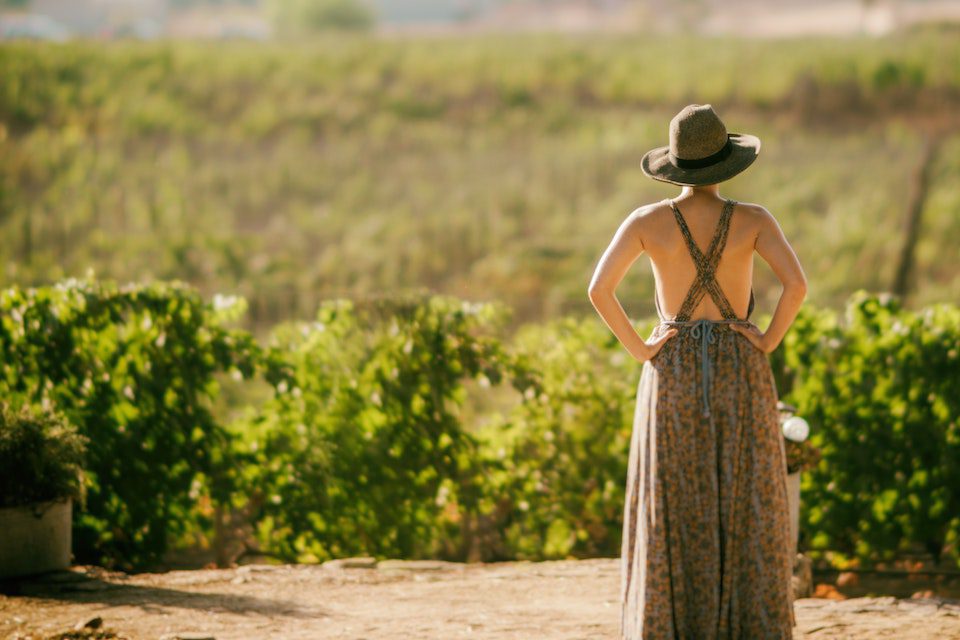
708	189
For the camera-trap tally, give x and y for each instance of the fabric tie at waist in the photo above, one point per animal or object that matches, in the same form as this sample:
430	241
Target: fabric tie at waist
702	330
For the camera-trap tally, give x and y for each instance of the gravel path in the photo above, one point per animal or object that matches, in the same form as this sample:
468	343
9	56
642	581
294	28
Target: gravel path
559	600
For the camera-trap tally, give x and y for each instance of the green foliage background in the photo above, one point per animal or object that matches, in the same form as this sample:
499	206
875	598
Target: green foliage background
133	368
308	178
356	453
417	425
489	168
882	383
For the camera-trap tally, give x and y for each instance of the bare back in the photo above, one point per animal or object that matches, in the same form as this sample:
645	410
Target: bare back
692	279
723	244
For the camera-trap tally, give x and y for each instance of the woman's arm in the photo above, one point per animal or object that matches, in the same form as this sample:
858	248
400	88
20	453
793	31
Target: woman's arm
773	247
626	246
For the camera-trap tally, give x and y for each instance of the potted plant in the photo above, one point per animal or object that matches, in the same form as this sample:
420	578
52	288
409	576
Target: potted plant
40	477
800	455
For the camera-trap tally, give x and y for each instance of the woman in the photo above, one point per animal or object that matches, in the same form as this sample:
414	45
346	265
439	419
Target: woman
706	535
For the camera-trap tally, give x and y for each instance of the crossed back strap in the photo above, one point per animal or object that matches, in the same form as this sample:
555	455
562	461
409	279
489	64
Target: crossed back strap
706	264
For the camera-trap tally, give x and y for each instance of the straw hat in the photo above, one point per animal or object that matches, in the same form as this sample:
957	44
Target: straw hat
700	150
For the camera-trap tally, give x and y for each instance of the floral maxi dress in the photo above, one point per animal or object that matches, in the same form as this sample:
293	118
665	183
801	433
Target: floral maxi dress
706	550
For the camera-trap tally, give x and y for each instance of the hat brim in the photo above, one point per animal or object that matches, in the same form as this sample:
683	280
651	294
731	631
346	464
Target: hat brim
656	163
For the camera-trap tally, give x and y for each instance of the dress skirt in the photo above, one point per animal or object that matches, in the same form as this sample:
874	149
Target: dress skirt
706	547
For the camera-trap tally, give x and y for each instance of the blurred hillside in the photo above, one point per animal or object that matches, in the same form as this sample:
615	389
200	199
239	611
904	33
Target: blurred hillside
257	19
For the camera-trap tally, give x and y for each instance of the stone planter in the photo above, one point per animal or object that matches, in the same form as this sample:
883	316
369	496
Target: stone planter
801	581
793	498
35	538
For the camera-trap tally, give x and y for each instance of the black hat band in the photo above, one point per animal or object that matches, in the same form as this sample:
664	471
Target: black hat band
700	163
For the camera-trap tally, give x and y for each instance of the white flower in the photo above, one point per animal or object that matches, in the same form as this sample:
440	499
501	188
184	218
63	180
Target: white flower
796	428
221	302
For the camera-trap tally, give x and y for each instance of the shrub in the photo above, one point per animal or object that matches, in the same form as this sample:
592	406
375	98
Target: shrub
880	383
558	461
133	367
364	450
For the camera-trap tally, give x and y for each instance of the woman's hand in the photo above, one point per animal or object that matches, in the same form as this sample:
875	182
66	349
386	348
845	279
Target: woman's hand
652	347
756	337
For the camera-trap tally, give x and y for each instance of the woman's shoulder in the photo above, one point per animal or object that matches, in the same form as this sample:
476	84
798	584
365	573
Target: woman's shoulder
756	212
651	212
649	219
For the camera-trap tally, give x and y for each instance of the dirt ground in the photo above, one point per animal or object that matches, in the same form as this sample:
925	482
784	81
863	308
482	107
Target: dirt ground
396	599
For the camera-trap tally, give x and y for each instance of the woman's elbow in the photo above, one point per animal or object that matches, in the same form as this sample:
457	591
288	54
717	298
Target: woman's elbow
596	291
799	287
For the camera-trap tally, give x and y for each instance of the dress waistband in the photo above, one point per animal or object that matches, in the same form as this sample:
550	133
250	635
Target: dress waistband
703	331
